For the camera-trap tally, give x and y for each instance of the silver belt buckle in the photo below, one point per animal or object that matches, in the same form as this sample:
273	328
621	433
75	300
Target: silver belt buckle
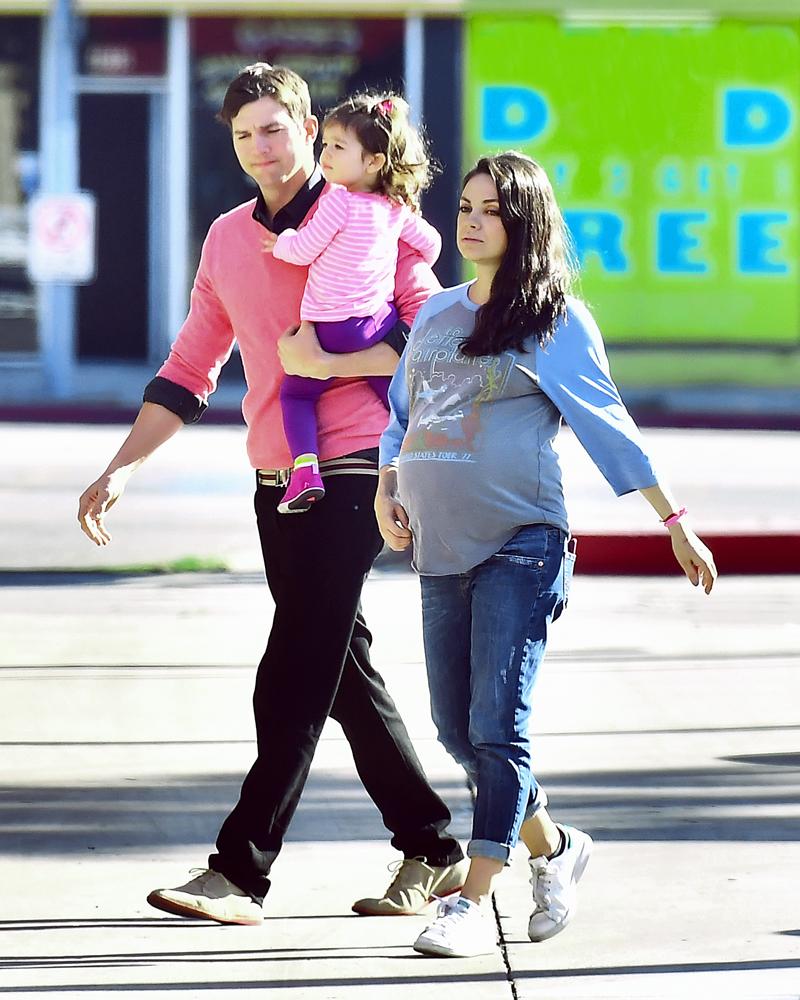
273	477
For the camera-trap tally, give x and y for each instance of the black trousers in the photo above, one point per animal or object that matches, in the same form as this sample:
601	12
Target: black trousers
317	664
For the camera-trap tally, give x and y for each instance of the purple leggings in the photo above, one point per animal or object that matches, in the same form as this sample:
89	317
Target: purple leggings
299	395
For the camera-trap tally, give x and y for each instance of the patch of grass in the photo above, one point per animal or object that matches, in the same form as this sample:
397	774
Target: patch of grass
186	564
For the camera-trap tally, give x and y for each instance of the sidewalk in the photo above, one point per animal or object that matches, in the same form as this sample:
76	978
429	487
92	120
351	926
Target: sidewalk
194	498
670	736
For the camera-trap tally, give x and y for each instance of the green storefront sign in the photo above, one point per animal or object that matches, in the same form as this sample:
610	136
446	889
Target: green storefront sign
674	153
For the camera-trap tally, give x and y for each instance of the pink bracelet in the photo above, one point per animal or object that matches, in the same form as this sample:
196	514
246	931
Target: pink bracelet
673	518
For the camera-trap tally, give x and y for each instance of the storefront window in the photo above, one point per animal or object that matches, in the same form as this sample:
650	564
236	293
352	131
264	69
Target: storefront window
124	46
19	142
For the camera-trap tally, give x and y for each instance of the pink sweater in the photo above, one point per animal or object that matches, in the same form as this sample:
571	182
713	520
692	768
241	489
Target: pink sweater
351	247
240	292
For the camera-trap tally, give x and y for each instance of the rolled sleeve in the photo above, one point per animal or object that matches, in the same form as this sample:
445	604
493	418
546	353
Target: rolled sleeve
174	397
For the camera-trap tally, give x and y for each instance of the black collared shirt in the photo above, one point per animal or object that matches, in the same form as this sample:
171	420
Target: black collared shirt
291	215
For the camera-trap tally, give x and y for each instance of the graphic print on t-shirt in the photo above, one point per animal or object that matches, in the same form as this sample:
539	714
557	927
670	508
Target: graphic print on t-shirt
446	390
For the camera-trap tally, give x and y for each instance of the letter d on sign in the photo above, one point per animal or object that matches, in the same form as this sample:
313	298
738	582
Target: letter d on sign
512	114
755	117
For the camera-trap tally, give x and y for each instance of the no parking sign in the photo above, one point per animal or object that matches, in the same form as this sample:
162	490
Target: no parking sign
61	240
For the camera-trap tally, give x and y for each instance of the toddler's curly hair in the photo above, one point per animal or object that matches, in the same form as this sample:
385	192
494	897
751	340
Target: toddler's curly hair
382	125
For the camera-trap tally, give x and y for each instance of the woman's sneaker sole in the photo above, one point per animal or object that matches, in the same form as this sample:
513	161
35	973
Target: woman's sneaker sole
439	951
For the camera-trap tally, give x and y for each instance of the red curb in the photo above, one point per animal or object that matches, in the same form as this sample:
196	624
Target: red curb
651	554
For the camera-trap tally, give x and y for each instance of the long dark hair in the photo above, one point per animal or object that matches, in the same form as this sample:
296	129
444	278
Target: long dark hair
381	124
528	294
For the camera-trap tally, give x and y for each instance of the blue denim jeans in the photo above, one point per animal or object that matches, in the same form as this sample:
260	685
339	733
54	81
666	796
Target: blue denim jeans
485	633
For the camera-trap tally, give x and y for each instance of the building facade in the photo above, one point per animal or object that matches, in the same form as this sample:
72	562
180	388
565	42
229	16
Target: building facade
671	137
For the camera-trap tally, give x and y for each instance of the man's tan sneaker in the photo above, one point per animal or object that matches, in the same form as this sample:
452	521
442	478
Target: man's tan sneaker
211	896
414	885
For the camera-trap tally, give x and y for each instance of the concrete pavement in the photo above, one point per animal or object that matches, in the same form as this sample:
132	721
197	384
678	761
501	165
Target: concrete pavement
666	726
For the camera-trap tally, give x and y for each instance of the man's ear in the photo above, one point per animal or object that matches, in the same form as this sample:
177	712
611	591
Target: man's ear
311	127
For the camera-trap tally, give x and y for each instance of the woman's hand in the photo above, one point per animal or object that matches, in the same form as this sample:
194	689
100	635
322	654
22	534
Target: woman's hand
300	353
94	503
390	513
694	557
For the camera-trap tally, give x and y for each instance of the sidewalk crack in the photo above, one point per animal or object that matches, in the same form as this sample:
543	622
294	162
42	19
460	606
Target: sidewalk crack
504	950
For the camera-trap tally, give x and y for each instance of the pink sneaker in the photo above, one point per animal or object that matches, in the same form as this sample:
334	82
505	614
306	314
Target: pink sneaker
305	487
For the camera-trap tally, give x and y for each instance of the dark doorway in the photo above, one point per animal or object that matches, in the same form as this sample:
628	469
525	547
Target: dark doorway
114	154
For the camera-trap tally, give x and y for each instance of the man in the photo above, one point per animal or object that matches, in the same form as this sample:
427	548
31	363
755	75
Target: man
316	562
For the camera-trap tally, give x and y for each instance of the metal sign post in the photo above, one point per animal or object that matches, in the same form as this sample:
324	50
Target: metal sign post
59	176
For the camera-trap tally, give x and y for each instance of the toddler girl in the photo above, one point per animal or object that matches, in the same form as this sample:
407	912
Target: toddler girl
375	161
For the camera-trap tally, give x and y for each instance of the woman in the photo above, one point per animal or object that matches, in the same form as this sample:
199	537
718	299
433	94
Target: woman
468	471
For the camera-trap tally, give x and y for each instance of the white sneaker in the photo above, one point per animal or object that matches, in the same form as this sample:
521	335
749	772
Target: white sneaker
461	929
555	885
209	895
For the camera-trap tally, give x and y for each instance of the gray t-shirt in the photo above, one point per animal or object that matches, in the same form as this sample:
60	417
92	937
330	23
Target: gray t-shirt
472	438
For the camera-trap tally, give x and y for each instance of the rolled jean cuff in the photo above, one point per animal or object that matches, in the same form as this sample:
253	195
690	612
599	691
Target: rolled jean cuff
538	803
488	849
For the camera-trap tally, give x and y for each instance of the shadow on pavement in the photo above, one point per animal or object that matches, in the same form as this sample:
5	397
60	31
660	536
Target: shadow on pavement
256	954
716	803
721	803
430	978
131	923
171	810
646	970
96	924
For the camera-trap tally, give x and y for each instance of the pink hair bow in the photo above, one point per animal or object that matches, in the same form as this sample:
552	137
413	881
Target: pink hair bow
386	107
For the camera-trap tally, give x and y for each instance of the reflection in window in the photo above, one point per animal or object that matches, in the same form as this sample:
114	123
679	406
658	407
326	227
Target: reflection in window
123	46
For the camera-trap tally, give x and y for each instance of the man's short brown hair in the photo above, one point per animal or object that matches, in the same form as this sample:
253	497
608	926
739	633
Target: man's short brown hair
262	80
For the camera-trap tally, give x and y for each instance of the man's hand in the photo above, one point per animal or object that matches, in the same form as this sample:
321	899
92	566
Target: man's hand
390	514
95	501
300	353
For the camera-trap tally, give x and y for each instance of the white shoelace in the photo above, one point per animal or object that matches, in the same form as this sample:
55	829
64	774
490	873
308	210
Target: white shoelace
445	907
542	883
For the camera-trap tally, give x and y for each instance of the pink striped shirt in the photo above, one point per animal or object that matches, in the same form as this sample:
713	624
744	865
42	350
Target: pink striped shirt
350	244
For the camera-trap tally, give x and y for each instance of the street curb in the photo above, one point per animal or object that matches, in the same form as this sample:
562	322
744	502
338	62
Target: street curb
220	413
619	554
650	554
739	554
